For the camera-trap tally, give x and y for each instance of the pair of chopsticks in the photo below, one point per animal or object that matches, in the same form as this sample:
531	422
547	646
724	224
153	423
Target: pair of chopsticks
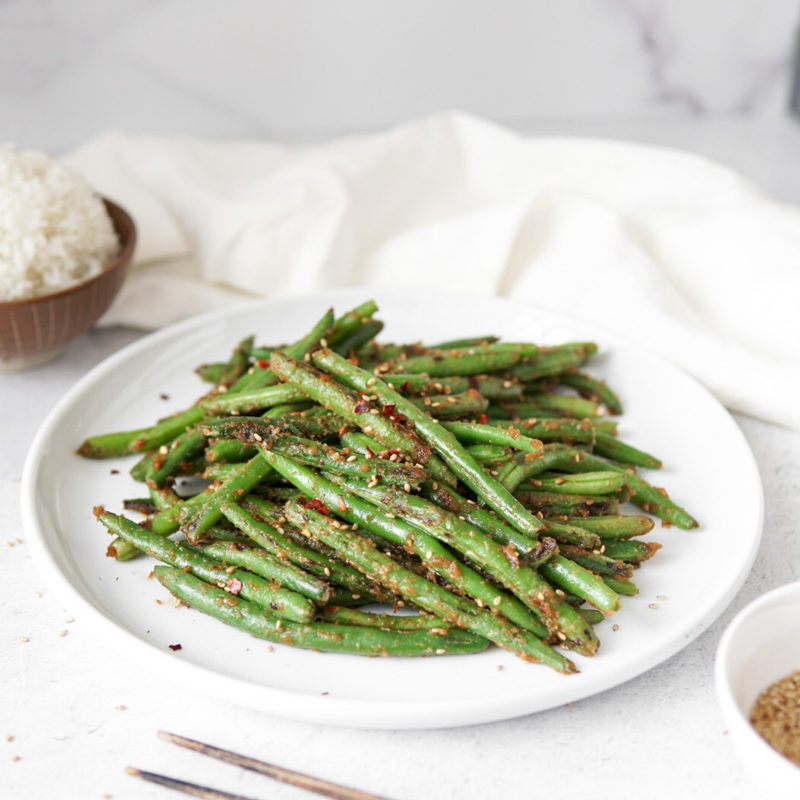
307	782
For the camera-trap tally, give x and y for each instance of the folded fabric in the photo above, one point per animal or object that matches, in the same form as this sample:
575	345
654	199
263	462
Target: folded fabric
681	255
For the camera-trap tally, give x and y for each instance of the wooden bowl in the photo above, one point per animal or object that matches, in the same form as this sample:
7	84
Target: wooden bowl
34	330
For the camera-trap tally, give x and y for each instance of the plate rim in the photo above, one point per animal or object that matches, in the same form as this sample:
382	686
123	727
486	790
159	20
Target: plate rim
350	712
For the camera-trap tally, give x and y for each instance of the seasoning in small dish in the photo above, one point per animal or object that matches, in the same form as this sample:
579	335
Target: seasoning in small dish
776	716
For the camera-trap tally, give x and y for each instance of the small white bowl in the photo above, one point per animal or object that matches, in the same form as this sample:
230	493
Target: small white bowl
760	646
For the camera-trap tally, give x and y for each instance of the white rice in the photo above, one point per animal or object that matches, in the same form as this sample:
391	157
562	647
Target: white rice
54	230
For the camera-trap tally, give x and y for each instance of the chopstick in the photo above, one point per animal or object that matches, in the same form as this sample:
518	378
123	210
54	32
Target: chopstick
325	788
193	789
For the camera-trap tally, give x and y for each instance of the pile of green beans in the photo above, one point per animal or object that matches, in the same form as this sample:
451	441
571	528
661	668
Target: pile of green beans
477	485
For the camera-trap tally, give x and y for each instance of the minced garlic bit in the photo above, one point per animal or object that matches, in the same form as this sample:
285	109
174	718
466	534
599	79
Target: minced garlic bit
24	639
499	667
652	605
615	627
120	708
15	758
9	737
62	633
661	597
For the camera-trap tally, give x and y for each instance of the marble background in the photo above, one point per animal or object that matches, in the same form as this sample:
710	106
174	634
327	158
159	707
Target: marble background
305	69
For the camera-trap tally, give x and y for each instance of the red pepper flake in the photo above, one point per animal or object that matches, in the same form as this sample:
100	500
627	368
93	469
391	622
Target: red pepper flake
388	409
473	382
483	419
370	454
317	505
361	407
235	586
164	396
175	647
404	387
262	363
342	505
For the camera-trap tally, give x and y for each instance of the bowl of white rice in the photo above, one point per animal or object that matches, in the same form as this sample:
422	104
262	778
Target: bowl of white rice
64	253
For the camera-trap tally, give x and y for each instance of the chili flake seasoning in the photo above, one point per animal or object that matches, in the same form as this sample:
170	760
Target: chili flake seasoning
776	716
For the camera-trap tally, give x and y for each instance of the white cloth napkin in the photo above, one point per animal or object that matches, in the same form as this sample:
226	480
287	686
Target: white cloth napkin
672	251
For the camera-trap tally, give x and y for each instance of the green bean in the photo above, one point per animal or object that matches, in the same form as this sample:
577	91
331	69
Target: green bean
260	562
212	373
438	436
463	404
322	636
573	534
610	447
491	387
580	581
469	360
261	375
490	454
358	338
554	429
486	521
470	341
549	504
246	402
232	489
475	432
424	594
112	445
600	563
501	563
254	522
628	588
238	362
616	526
349	322
281	602
394	622
351	406
554	360
254	431
592	389
597	483
139	470
626	550
432	553
228	451
166	464
564	405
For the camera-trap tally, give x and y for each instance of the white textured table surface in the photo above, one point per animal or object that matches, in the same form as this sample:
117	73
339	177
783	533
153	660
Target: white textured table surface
73	714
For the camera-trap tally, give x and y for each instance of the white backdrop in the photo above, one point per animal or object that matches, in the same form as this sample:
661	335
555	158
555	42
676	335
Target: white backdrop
308	69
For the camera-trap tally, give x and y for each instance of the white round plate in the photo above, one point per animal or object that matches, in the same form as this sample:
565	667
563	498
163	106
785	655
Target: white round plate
708	468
